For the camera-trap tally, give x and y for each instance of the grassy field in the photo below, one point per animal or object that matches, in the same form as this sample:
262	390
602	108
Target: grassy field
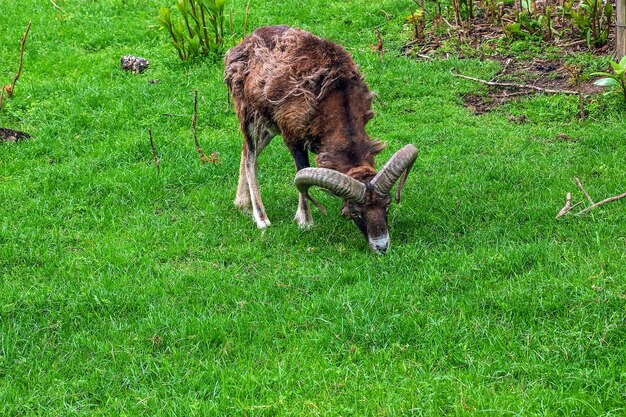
127	293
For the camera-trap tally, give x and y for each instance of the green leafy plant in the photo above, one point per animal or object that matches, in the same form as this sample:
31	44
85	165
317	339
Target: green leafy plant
490	10
201	30
418	22
617	80
593	19
525	25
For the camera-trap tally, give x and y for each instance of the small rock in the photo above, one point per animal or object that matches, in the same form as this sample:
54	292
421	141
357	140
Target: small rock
518	120
567	138
10	135
134	63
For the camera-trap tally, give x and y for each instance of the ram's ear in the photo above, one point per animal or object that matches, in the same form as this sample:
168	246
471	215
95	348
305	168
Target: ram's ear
376	146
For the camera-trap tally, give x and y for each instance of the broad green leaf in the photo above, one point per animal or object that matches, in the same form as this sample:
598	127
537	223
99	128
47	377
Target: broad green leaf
607	82
618	69
604	74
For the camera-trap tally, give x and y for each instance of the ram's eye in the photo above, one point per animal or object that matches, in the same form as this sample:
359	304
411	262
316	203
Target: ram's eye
357	214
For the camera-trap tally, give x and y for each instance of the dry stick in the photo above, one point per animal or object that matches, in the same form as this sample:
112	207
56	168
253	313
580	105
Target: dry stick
568	206
580	185
232	34
19	69
513	85
154	155
380	46
194	118
57	6
9	88
608	200
503	70
245	22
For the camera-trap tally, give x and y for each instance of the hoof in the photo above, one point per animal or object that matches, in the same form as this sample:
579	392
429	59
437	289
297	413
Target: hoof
304	220
243	206
263	224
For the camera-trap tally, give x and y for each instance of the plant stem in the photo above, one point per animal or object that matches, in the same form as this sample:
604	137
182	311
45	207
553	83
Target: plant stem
206	33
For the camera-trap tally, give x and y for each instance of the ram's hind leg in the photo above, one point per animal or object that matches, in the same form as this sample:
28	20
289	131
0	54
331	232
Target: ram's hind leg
303	215
242	199
256	139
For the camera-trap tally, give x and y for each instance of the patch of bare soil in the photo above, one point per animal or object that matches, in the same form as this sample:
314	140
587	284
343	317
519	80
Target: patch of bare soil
10	135
474	35
542	73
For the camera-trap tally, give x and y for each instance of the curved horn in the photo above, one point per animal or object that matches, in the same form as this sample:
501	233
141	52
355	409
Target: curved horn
337	183
400	163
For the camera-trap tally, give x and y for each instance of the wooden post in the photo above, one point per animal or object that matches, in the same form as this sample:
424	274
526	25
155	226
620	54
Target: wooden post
620	29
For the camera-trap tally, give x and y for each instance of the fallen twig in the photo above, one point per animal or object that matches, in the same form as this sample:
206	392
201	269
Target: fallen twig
194	119
569	207
154	154
512	85
380	46
600	203
9	88
583	190
503	70
56	6
245	22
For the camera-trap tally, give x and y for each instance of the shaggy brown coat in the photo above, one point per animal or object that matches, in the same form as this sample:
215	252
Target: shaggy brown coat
287	81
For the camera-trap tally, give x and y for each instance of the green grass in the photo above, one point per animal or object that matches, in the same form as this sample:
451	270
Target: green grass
127	293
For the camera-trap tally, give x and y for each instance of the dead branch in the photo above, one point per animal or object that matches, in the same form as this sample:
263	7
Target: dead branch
511	85
568	206
19	68
583	190
380	46
56	6
9	88
600	203
194	119
245	22
503	70
154	154
568	200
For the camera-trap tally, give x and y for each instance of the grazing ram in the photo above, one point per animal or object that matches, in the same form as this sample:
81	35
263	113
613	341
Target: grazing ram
286	81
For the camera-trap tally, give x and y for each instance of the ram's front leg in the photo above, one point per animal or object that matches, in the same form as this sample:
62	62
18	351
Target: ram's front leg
303	215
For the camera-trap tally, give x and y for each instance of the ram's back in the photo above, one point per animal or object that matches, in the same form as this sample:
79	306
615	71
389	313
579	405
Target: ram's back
281	75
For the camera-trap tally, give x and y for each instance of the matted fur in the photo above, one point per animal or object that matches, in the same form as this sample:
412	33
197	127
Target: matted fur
280	77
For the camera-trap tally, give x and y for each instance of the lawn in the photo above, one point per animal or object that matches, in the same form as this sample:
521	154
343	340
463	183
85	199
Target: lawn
124	292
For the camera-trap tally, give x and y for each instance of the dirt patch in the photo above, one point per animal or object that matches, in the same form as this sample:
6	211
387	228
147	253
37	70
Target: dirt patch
542	73
481	38
10	135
